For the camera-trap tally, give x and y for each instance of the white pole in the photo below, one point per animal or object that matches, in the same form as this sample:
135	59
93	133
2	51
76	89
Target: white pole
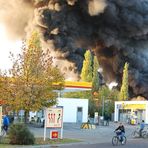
62	131
116	113
45	120
146	113
62	125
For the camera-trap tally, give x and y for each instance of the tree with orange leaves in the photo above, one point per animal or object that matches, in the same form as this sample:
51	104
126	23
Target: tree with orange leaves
30	86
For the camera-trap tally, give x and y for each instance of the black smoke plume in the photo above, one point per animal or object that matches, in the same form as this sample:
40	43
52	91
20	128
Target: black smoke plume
116	30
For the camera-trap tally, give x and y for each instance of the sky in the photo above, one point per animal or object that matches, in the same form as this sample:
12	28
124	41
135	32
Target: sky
7	46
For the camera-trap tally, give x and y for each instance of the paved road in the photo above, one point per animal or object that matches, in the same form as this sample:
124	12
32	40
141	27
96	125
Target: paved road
138	143
99	135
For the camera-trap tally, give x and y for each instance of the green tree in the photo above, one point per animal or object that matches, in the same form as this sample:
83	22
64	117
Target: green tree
79	94
106	99
32	78
109	104
86	73
123	95
95	79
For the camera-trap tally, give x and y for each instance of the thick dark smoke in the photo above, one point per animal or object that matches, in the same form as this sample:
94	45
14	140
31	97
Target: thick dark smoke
15	14
116	30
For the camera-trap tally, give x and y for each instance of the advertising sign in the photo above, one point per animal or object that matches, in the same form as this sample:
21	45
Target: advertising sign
54	117
54	134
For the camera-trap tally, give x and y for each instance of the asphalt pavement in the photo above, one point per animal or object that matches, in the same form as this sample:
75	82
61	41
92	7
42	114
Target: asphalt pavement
102	134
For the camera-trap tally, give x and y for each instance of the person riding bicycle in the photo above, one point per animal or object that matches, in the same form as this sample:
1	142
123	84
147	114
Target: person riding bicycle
142	125
6	123
120	130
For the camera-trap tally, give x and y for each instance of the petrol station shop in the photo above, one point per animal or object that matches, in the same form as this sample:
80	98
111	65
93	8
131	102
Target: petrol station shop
132	112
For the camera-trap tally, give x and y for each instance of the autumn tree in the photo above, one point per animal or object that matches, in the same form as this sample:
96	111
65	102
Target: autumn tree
86	73
32	78
123	95
95	79
4	84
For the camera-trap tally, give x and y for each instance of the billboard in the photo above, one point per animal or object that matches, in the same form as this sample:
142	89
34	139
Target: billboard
54	117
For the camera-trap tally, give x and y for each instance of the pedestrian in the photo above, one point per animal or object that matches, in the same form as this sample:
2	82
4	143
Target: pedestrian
142	125
6	123
107	118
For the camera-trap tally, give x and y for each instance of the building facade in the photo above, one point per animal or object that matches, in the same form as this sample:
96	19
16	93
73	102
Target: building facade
129	111
74	109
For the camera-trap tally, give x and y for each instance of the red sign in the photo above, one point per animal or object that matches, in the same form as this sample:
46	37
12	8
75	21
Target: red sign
54	135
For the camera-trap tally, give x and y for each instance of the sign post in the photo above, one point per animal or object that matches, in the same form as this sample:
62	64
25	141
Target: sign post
53	119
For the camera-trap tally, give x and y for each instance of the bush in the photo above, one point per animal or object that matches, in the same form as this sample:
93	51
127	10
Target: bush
20	134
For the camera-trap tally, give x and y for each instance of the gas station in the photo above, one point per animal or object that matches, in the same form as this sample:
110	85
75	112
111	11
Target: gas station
132	112
77	107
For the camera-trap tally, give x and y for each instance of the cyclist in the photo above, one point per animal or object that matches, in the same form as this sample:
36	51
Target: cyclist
142	125
120	131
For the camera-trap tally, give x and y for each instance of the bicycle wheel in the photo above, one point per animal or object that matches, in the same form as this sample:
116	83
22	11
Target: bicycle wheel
2	133
144	134
115	140
123	140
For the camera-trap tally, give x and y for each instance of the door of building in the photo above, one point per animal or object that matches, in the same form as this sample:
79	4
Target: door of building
79	114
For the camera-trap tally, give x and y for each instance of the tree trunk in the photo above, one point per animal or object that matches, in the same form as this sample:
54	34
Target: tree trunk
26	116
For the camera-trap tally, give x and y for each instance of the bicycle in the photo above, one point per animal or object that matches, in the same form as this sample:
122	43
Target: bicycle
117	139
136	133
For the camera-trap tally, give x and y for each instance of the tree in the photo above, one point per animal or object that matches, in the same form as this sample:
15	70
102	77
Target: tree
106	99
123	95
3	90
79	94
95	79
30	86
86	73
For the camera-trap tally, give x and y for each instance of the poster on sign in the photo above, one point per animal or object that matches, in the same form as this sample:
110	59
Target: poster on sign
54	117
54	134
